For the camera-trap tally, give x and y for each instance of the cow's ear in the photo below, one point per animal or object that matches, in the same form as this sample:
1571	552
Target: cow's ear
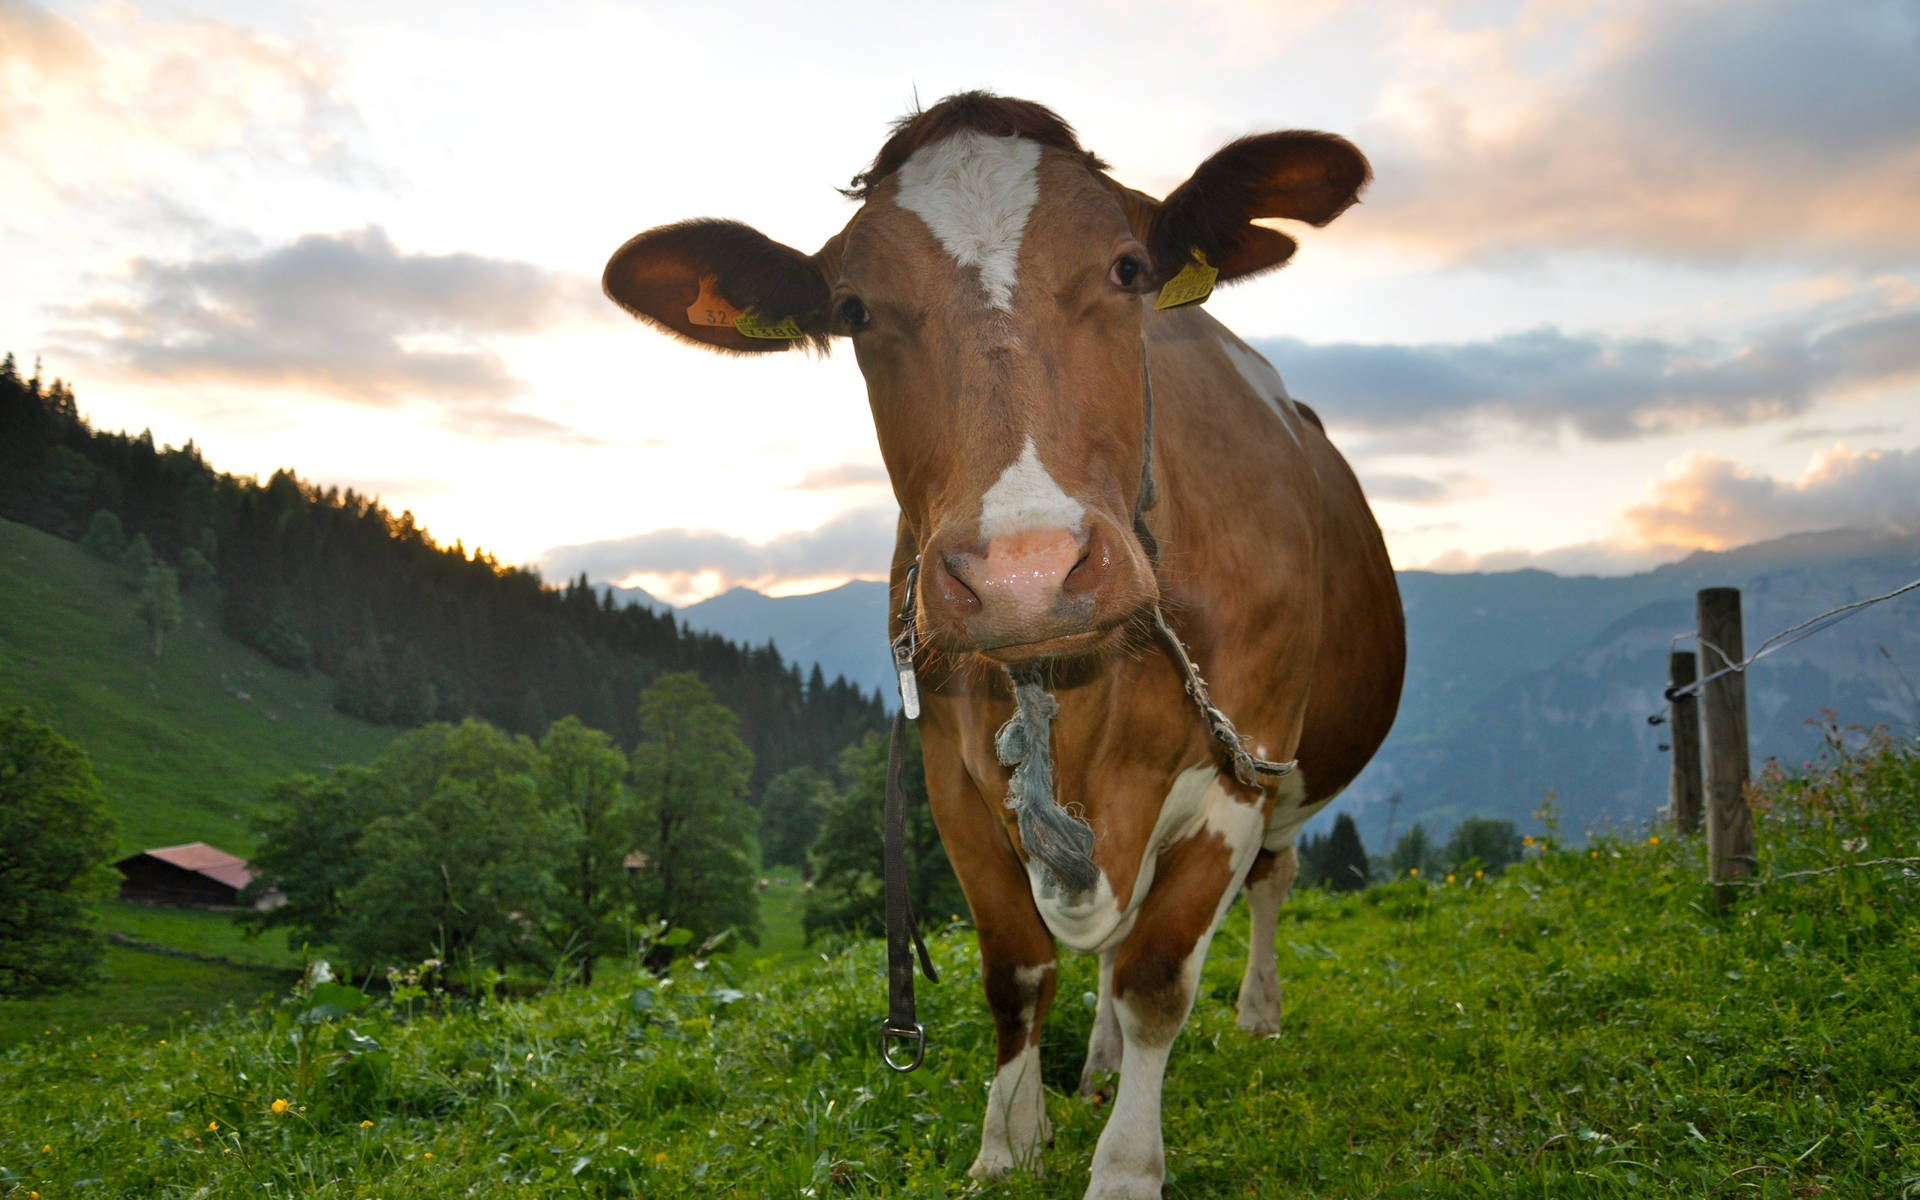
1311	177
721	284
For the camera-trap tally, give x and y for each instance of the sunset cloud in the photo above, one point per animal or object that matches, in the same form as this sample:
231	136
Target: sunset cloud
678	564
1713	502
348	315
1705	131
1605	387
89	113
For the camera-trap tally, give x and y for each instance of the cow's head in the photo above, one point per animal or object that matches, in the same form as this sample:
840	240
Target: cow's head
995	283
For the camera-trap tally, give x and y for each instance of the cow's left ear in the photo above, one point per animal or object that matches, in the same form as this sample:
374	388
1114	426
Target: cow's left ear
722	285
1300	176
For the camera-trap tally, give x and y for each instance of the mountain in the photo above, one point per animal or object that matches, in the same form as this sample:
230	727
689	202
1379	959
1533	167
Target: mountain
844	630
1519	686
1521	683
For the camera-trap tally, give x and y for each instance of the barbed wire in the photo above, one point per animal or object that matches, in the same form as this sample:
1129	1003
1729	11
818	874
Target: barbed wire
1776	642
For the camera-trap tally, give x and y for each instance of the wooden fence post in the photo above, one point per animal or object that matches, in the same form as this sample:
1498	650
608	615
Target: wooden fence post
1683	791
1723	711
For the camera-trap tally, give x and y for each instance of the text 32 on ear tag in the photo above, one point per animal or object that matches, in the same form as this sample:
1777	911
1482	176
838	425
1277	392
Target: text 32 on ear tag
711	309
1193	284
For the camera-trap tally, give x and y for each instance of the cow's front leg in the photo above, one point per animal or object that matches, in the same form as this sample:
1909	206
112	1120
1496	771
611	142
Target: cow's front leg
1020	988
1156	972
1268	882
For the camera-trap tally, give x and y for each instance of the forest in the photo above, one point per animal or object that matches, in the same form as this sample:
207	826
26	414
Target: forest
410	630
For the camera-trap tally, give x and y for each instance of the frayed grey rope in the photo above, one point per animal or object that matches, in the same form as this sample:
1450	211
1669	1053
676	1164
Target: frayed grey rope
1059	841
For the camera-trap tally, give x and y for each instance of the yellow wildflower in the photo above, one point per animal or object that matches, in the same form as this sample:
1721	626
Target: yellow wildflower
1479	874
660	1158
213	1126
1654	840
280	1106
1527	841
366	1124
1449	877
428	1156
1413	872
47	1149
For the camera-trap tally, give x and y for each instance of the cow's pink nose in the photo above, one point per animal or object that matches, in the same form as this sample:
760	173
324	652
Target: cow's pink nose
1022	587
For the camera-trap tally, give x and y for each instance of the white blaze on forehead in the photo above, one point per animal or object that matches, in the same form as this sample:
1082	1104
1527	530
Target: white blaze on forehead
975	193
1026	497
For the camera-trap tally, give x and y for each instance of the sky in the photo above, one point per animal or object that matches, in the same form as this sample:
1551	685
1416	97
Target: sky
1633	279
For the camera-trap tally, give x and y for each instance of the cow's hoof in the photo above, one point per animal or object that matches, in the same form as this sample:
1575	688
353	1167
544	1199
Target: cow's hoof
1259	1010
989	1167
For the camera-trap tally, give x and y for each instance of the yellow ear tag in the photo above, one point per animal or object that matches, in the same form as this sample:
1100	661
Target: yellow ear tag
751	326
1193	284
709	308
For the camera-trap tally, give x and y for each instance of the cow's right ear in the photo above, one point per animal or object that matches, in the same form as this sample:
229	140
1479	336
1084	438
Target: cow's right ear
721	284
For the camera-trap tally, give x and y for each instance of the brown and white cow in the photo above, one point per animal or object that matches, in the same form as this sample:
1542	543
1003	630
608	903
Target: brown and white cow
999	291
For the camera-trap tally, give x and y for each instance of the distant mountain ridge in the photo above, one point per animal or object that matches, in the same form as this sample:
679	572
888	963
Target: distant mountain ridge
1521	683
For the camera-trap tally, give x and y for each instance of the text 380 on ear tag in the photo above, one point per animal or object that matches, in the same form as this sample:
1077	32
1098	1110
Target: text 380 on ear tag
753	327
1193	284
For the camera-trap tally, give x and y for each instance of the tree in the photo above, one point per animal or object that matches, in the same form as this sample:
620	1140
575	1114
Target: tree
196	573
1336	861
415	700
1413	852
135	561
791	810
160	604
460	860
309	853
56	840
580	777
105	538
1482	842
695	831
847	895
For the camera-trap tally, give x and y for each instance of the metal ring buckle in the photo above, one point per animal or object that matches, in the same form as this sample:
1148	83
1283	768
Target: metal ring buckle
889	1035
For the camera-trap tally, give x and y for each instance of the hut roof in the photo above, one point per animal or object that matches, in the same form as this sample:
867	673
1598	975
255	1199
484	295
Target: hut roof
211	861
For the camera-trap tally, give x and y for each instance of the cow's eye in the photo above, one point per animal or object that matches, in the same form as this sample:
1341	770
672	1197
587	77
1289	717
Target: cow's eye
853	314
1126	272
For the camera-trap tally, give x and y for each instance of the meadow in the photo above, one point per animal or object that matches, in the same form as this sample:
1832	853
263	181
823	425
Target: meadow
1587	1025
184	744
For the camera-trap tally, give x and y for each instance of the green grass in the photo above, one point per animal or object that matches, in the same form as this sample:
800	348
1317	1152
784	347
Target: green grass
140	990
198	931
184	744
1585	1026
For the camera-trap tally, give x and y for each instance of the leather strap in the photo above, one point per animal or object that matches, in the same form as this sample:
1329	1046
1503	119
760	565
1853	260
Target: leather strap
902	929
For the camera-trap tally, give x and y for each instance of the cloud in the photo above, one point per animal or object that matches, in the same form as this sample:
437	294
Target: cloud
1584	558
93	110
691	562
1605	387
1420	489
1775	128
1713	502
349	315
844	475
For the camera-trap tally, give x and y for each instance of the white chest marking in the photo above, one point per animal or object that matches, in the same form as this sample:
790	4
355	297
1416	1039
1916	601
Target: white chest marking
1264	380
1096	920
1026	497
975	193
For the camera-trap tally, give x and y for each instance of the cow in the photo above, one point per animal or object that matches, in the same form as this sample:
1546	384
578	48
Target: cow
1111	509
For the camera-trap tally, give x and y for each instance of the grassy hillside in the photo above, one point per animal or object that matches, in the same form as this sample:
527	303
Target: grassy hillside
184	744
1585	1026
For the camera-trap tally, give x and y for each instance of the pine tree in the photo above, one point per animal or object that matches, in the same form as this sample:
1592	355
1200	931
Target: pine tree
1344	865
